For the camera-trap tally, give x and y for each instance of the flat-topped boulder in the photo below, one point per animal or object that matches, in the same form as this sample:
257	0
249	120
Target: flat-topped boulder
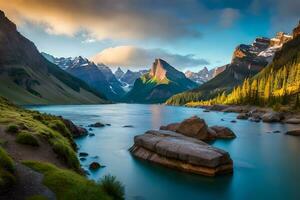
196	127
181	152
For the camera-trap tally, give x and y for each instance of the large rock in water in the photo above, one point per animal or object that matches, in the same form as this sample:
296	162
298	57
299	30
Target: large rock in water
197	128
177	151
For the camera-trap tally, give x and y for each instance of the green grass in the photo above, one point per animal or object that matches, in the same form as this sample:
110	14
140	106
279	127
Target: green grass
6	162
27	139
49	127
12	128
69	185
7	169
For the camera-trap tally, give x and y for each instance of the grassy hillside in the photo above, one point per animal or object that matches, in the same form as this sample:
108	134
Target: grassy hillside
46	141
278	85
26	77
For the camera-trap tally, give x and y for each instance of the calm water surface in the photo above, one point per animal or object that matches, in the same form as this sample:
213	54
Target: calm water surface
266	165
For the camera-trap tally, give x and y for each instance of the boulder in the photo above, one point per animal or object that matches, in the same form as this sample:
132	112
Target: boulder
127	126
271	117
293	121
76	131
184	153
94	166
222	132
243	116
236	109
97	125
170	127
193	127
293	132
197	128
217	107
233	121
83	154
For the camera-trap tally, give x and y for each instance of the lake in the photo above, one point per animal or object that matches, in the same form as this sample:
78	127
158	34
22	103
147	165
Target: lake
266	164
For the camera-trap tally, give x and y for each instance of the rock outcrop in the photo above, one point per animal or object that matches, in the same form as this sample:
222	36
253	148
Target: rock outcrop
197	128
184	153
76	131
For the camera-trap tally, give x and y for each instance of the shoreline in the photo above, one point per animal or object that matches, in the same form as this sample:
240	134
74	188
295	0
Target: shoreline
254	113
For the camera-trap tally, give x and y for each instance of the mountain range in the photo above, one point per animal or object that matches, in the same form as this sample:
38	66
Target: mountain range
127	79
277	85
247	61
160	83
26	77
98	76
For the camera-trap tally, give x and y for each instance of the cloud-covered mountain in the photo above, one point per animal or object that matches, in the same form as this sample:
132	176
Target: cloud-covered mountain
98	76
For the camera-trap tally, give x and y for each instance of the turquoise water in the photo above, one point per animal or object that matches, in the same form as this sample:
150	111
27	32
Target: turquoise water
266	165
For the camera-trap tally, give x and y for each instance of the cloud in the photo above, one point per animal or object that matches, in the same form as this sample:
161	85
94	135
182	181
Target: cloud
117	19
103	19
229	16
135	57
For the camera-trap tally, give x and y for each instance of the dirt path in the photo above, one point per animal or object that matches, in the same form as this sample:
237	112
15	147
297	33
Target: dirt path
29	183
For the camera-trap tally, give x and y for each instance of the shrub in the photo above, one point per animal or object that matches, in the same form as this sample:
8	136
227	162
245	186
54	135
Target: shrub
112	187
6	162
27	139
12	128
65	152
7	179
67	184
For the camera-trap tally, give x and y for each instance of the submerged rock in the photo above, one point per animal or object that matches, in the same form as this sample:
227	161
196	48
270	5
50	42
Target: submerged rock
94	166
181	152
293	132
127	126
83	154
97	125
243	116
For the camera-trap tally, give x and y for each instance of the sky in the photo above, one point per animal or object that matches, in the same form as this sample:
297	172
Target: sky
189	34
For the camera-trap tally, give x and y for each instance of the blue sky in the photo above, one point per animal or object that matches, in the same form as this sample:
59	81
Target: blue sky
131	33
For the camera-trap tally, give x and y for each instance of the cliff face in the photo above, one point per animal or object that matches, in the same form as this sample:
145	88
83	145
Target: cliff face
296	31
161	82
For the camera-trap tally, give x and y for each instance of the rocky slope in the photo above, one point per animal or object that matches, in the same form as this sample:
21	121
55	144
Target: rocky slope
180	146
160	83
201	76
247	61
127	79
98	76
26	77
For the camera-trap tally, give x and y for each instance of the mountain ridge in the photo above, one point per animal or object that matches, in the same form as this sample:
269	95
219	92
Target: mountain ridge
26	77
158	84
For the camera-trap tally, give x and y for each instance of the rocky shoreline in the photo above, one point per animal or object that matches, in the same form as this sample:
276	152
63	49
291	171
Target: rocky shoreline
181	146
256	114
